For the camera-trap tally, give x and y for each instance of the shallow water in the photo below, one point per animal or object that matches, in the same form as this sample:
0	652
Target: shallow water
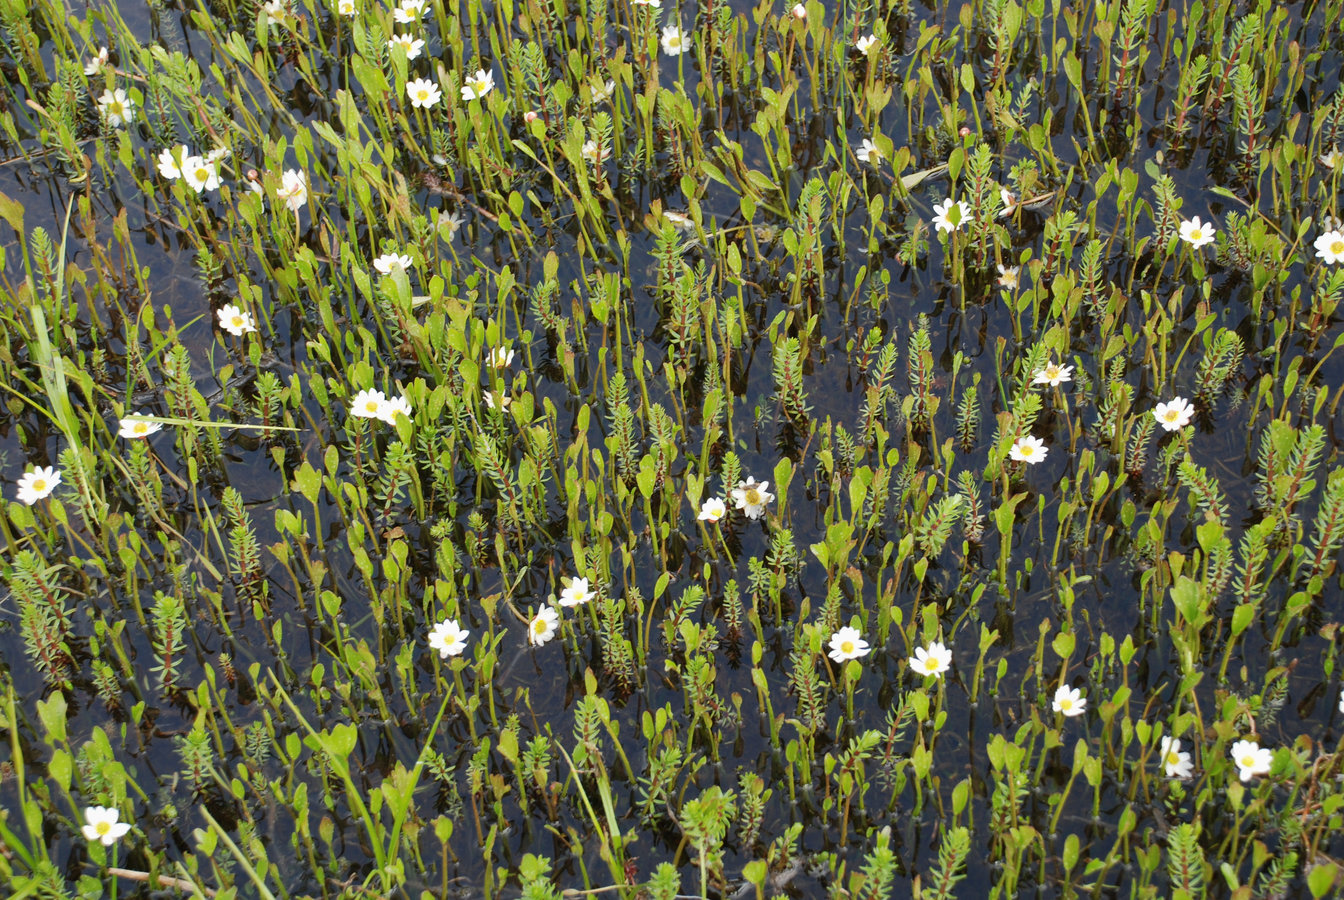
543	687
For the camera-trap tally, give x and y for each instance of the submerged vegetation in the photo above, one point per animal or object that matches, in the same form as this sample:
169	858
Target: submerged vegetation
559	448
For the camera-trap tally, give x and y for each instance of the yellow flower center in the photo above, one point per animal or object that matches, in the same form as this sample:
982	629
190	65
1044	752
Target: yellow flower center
140	427
538	626
40	484
1337	246
931	664
1173	758
371	406
1065	705
102	827
846	646
236	321
1171	415
1026	450
1248	761
1196	234
753	497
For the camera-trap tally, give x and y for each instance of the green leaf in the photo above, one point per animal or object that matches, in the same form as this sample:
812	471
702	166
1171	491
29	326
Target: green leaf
340	741
1242	617
52	712
1063	644
61	769
1322	878
783	475
12	212
308	482
1185	595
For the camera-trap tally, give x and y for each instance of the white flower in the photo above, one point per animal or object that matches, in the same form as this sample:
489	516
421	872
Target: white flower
452	222
945	220
1053	374
1330	247
714	509
116	108
1196	233
478	85
347	8
543	626
96	62
235	321
39	483
866	44
651	4
501	403
674	41
1175	415
799	12
424	93
576	593
449	638
392	407
276	11
1028	449
1329	160
500	357
680	220
409	11
869	152
137	427
751	497
216	154
200	174
1251	759
389	261
847	644
590	153
100	824
408	42
293	189
1008	277
1009	202
1341	701
170	161
603	94
1175	761
368	404
1068	701
933	660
